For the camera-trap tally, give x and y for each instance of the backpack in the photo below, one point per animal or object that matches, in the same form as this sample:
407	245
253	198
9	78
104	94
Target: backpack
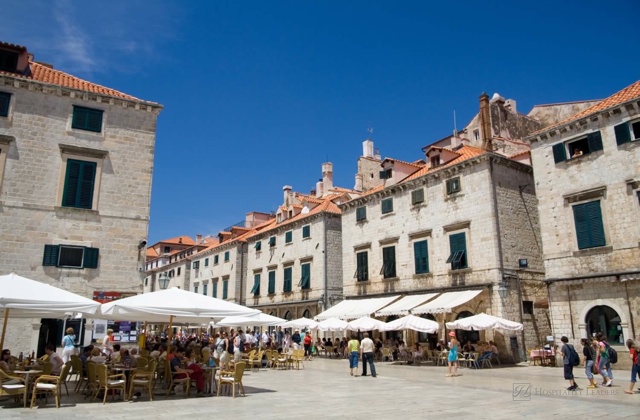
574	359
613	354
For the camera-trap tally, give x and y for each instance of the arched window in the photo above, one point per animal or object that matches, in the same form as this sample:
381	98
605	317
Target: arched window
287	315
466	336
607	321
432	339
307	314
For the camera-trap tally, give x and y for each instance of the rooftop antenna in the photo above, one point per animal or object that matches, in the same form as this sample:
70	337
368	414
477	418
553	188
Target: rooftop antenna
370	131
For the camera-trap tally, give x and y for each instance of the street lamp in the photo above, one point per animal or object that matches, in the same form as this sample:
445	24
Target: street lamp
163	281
503	291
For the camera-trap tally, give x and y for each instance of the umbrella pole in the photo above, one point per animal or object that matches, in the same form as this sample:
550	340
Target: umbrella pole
4	327
170	329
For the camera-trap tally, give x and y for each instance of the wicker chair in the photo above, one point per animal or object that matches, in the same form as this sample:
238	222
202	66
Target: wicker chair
51	384
17	388
108	383
144	378
232	378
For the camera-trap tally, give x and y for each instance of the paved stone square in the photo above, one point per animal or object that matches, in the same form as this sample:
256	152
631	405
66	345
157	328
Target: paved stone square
325	389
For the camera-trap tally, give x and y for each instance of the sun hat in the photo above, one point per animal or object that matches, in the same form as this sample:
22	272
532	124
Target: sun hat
452	334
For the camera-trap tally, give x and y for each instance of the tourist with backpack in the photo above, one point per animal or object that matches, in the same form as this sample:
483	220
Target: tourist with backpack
604	360
634	349
570	359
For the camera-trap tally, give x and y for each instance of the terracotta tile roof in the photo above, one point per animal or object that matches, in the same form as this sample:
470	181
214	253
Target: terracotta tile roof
12	46
627	94
464	153
179	240
151	253
526	152
417	165
343	190
309	198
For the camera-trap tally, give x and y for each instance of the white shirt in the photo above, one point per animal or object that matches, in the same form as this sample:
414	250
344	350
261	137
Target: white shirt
367	345
265	338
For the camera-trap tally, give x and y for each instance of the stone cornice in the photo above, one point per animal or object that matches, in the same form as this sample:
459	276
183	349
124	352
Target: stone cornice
83	151
52	89
280	229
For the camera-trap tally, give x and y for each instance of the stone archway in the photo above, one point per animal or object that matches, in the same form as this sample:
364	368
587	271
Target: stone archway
621	312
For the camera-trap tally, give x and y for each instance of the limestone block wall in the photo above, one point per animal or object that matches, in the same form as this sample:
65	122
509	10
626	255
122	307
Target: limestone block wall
30	193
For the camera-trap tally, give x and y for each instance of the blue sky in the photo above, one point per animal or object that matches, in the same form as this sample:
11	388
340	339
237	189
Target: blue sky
258	94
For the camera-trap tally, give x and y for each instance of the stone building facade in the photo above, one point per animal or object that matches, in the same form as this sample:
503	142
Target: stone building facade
76	163
587	181
294	265
402	237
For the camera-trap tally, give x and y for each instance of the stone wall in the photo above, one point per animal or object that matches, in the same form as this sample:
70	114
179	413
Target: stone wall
30	194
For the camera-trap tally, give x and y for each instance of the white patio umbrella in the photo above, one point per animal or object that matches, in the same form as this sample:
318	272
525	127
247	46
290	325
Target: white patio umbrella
483	321
366	323
26	298
300	323
332	324
412	322
258	320
173	305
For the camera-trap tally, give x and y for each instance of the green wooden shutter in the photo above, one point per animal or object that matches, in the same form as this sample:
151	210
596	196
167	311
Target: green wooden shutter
361	213
71	182
305	281
5	99
256	285
458	243
589	227
387	205
215	289
88	176
91	256
421	257
389	261
287	280
215	259
383	174
272	282
79	184
559	153
362	262
258	246
595	141
87	119
288	237
623	134
50	257
226	256
306	231
225	288
417	196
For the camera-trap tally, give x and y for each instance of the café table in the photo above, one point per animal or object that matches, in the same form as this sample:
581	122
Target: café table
27	381
211	371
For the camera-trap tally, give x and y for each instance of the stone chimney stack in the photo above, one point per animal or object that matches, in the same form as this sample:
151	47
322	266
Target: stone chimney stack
327	177
287	195
358	186
319	189
198	239
367	148
485	122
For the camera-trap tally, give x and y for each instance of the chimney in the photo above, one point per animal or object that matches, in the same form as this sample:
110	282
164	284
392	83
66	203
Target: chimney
377	155
319	188
198	239
510	104
358	186
367	148
327	177
485	122
287	194
180	240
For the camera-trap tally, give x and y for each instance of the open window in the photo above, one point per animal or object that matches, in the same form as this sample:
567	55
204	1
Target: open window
577	147
69	256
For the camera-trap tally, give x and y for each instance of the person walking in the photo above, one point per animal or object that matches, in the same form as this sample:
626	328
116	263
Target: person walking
367	351
589	355
308	342
566	351
604	360
354	346
453	354
68	345
634	349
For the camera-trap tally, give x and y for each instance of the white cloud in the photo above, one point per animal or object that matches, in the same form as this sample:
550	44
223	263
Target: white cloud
74	43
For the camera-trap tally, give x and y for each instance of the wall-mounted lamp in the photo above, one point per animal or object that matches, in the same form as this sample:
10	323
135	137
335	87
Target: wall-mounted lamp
163	281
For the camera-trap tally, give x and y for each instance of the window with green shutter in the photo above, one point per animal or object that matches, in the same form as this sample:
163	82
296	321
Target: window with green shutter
287	279
87	119
78	184
559	153
387	205
388	262
215	259
417	196
196	265
361	213
226	256
258	246
206	262
421	257
255	290
70	256
215	289
5	100
362	266
272	241
288	237
458	251
306	231
195	289
225	289
577	147
272	282
305	278
589	227
453	185
627	132
204	289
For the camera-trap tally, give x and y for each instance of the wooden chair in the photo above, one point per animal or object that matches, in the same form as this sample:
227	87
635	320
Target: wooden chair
46	368
145	354
76	369
17	388
50	384
108	383
328	351
91	379
386	353
173	381
472	360
144	378
257	361
142	362
298	358
443	358
234	379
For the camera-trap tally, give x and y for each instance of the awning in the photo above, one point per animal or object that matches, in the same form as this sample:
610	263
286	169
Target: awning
446	302
356	308
405	304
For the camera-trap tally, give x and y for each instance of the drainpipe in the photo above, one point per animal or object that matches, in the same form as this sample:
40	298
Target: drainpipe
326	277
242	274
633	329
497	219
573	333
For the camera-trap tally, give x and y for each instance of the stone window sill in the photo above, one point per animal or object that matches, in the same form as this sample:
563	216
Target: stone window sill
593	251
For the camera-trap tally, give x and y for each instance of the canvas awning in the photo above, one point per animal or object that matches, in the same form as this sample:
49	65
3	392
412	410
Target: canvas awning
366	323
404	305
356	308
446	302
483	321
257	320
332	324
412	322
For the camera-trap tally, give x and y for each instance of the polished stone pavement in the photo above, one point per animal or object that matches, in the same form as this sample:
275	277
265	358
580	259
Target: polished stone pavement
324	389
